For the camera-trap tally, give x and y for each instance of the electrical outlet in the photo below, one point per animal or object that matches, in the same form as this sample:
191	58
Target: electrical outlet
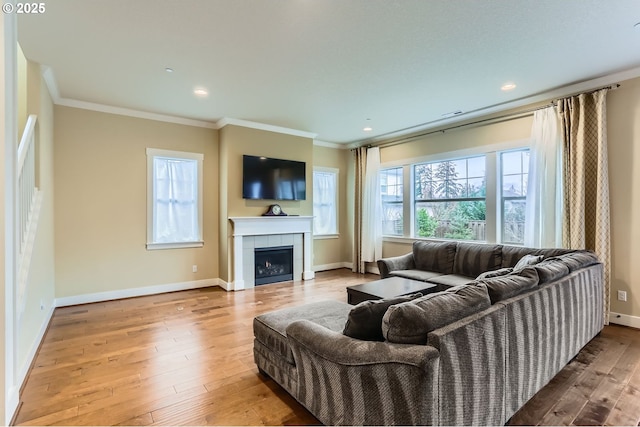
194	268
622	295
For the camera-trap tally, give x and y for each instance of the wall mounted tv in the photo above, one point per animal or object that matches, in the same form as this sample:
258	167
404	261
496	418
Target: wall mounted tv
273	179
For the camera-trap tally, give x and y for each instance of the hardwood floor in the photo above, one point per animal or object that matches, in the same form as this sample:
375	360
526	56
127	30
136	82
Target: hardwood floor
186	358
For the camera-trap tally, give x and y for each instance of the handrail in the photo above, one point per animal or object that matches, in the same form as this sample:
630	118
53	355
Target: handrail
26	182
26	141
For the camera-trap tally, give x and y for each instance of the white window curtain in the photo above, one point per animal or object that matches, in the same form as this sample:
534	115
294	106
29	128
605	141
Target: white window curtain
543	225
175	200
372	209
324	202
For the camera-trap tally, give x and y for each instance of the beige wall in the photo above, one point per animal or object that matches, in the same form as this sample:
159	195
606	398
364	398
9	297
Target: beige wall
100	206
623	125
236	141
41	284
330	252
459	139
623	115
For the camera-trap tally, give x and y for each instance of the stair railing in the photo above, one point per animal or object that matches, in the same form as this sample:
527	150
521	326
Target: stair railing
26	174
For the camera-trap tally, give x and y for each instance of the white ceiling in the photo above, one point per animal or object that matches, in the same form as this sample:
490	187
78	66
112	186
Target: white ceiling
326	66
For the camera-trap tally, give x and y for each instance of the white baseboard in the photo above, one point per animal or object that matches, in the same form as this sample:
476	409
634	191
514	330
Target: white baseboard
227	286
331	266
624	319
370	267
136	292
14	392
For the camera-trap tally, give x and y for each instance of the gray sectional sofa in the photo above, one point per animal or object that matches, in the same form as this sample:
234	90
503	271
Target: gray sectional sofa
472	354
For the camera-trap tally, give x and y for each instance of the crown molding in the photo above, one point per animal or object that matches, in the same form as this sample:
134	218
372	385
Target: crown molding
327	144
262	126
50	81
84	105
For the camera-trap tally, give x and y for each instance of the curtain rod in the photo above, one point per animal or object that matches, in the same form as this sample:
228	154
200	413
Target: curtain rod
492	120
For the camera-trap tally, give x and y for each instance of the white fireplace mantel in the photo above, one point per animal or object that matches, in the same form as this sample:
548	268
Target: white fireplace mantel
266	226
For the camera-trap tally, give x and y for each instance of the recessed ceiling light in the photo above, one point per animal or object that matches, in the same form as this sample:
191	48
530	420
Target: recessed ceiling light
508	86
367	128
169	70
201	92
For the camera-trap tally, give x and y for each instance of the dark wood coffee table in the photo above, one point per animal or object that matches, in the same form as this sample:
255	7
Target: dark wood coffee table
387	288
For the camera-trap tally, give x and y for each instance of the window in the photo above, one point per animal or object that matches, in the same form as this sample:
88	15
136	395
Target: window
174	199
325	201
514	174
449	199
467	195
391	190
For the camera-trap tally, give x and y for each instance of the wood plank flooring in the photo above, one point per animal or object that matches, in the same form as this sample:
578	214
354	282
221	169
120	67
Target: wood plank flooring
185	358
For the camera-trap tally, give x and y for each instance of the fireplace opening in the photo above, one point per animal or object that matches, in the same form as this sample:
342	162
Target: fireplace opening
273	264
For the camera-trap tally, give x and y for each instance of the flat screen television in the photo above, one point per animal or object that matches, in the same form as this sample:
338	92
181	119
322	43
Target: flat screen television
265	178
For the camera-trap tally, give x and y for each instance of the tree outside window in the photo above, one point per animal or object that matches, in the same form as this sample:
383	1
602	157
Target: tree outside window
450	199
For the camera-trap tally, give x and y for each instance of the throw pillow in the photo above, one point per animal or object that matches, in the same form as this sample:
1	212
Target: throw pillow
410	322
495	273
503	287
527	260
365	319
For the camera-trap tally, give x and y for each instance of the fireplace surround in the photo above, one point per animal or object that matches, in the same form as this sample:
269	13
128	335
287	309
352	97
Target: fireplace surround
250	233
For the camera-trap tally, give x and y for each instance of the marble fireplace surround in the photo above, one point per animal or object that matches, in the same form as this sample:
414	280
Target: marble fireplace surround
269	231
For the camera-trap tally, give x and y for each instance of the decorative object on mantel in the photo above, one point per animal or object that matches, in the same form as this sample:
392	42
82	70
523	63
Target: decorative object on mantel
274	210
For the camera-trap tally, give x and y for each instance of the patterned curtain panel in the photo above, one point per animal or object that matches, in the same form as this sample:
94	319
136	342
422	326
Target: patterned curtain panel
583	121
360	154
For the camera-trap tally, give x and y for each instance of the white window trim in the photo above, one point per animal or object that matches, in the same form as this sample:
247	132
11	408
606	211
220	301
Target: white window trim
336	172
155	152
492	198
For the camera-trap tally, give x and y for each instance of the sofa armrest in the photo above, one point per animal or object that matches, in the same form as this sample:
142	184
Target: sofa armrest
344	381
402	262
472	368
338	348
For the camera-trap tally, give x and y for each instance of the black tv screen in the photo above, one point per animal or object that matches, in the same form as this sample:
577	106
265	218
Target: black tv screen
273	179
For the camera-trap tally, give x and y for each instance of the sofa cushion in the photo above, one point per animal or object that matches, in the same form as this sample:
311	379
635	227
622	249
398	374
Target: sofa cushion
365	319
512	254
270	328
410	322
472	259
503	287
527	260
551	269
495	273
434	256
415	274
451	280
578	259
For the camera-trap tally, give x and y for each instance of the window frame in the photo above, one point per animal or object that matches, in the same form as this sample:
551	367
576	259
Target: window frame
397	202
336	211
441	200
502	199
493	198
153	153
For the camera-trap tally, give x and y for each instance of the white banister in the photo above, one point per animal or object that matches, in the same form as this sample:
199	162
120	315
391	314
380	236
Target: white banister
26	179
